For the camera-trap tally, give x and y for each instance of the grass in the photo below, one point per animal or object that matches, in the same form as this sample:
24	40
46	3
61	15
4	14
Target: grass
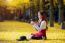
12	30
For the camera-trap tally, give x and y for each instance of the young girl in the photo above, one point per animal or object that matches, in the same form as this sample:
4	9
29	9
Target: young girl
40	26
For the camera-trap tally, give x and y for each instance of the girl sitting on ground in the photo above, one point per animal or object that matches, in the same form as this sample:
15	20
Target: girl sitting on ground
40	26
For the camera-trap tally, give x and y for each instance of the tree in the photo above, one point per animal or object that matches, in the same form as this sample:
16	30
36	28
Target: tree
51	13
32	8
61	12
60	6
38	5
43	5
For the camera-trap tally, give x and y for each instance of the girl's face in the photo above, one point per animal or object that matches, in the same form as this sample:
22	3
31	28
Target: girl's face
39	15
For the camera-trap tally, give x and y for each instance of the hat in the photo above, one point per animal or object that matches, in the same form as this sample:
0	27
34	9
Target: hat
22	38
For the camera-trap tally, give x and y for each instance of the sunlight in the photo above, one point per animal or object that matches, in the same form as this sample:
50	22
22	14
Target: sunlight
16	2
8	1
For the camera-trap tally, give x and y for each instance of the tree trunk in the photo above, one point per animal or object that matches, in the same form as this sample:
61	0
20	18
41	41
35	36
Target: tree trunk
61	12
43	5
32	9
51	13
1	14
38	5
60	6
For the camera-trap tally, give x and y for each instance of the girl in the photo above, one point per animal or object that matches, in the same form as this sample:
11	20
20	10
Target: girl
40	26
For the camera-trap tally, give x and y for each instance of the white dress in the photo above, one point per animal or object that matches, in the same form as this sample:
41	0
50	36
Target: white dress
40	26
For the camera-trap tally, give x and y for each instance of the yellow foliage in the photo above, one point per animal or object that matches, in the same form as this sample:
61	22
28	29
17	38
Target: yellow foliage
16	2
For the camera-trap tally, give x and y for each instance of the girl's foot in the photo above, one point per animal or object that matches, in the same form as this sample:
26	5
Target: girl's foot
44	37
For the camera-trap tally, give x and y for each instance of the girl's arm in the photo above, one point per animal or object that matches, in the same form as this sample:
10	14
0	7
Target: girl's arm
42	26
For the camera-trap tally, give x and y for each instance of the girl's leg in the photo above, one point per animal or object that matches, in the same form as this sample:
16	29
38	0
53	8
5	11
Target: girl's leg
45	37
36	36
29	37
44	34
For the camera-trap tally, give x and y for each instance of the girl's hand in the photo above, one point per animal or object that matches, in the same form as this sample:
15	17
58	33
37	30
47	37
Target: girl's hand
32	22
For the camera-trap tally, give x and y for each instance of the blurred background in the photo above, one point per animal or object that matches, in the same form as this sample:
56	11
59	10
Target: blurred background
26	9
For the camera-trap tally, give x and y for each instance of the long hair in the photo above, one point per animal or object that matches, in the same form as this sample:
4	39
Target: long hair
43	14
44	17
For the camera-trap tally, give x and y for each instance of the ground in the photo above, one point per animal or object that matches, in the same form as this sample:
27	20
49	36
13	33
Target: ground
12	30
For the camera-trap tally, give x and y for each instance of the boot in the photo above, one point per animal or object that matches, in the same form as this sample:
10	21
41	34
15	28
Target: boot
44	37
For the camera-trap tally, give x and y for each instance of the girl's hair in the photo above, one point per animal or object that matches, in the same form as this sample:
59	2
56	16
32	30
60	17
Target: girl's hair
44	17
43	14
